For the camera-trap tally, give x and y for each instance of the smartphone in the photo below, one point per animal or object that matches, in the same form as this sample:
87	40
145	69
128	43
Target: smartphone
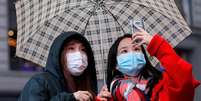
135	25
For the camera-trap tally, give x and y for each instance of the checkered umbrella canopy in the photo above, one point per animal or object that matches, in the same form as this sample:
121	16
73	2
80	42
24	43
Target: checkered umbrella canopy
101	22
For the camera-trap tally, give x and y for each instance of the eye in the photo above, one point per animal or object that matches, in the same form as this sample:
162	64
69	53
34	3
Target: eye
137	49
83	49
123	51
70	48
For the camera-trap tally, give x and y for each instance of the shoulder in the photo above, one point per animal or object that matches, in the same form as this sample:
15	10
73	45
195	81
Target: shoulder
36	88
38	79
39	76
35	85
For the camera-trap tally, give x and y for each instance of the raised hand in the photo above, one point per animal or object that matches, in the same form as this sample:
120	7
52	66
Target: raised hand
141	37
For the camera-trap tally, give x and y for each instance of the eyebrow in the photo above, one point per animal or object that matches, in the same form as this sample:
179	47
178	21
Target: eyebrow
124	47
128	46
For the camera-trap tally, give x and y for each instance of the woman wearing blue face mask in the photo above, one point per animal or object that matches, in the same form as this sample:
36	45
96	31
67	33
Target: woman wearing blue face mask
131	77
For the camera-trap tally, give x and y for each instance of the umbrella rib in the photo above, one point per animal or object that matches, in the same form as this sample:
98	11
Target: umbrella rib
115	19
88	21
143	6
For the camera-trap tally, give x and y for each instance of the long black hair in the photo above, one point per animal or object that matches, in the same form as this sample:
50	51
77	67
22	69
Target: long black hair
88	79
147	72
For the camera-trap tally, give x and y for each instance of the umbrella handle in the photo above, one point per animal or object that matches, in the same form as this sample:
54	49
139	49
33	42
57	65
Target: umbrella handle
104	78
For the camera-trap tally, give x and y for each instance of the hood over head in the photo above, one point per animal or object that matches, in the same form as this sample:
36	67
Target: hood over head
53	64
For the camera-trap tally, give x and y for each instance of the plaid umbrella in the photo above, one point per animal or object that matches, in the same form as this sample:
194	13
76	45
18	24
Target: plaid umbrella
101	22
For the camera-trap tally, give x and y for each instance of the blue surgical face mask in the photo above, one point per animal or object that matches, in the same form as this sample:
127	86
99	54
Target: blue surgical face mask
131	63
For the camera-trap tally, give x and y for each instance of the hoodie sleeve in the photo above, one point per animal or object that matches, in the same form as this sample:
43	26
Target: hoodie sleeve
35	90
179	82
64	97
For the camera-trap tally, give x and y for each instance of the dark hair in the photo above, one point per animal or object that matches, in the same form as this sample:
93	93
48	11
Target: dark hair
87	80
148	71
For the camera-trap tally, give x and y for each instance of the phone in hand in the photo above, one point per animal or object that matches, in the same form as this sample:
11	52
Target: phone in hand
135	25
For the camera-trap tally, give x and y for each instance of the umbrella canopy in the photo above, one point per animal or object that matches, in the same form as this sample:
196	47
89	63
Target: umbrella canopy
101	22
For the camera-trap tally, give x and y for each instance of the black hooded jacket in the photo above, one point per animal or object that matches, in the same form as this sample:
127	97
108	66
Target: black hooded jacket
49	85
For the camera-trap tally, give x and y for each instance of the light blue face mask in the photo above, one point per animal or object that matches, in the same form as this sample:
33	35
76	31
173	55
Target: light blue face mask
131	63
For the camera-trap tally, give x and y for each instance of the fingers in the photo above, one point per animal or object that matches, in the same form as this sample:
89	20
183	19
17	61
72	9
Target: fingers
104	94
83	96
142	37
88	94
138	39
104	88
137	34
140	43
102	99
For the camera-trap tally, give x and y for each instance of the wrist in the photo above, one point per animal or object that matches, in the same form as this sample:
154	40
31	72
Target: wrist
150	37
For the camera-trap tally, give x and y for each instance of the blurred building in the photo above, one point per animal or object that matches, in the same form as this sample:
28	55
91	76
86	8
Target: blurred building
15	72
190	48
